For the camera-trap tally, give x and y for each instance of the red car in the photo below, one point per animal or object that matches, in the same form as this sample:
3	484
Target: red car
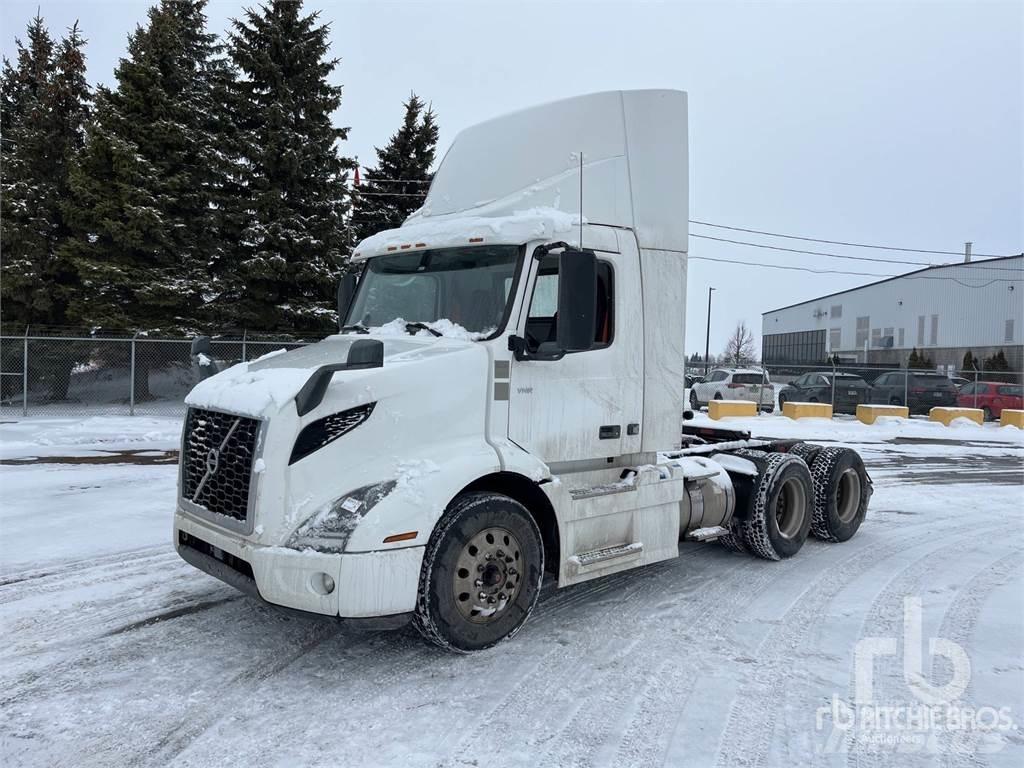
992	397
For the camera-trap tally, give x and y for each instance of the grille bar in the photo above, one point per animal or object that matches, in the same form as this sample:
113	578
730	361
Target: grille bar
218	453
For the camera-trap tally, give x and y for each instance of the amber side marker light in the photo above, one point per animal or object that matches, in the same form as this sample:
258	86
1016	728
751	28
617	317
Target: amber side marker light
401	537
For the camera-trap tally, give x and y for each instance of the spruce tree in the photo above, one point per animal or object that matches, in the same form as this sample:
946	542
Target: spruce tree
45	105
397	186
146	194
295	241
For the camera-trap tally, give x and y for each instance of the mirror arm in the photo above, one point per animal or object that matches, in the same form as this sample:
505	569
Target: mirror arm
517	346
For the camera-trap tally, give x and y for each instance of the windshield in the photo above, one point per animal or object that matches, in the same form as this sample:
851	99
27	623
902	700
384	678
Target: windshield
470	287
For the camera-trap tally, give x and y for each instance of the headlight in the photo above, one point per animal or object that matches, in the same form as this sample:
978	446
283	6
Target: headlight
315	436
328	529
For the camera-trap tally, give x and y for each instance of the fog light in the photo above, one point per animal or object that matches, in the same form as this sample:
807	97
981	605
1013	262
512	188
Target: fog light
321	583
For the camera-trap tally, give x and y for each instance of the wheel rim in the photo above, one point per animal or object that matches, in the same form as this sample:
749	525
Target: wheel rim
488	575
791	508
848	495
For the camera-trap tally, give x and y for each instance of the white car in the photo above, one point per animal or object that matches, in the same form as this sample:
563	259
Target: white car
734	384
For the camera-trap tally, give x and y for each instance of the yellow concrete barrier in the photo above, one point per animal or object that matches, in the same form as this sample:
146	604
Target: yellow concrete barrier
1010	417
868	413
946	415
807	410
719	408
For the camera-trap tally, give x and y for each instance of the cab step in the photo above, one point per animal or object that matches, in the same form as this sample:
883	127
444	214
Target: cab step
584	559
707	534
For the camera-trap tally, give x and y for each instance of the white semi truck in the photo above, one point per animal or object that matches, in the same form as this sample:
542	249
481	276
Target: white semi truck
505	399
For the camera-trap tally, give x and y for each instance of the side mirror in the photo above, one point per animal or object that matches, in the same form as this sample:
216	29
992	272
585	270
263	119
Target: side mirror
577	300
346	292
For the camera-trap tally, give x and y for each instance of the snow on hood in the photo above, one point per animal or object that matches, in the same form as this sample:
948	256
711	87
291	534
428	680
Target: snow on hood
455	229
272	381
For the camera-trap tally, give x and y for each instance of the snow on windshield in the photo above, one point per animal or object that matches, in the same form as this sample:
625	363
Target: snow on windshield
444	326
462	290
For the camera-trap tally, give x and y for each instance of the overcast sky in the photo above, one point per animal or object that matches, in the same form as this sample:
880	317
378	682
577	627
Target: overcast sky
891	123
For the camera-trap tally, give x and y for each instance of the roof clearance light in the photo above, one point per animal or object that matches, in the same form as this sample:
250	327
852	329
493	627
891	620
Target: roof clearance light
421	245
476	239
392	247
407	246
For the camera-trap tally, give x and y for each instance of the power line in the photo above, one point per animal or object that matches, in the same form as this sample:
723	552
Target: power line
843	272
841	242
843	255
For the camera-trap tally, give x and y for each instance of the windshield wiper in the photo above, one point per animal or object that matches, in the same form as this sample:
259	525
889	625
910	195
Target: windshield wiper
355	328
422	326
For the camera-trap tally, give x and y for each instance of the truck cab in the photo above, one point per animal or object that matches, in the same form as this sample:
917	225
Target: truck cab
504	398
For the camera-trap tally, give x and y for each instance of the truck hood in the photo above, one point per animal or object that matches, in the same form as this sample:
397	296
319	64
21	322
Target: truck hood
264	386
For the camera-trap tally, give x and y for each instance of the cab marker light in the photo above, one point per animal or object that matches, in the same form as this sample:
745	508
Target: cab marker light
421	245
406	246
401	537
392	247
476	239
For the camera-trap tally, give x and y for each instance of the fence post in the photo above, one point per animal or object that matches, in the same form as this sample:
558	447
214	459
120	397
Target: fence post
906	380
24	376
244	334
131	380
833	384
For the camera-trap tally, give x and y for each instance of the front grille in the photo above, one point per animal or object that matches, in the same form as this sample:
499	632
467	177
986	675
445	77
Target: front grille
217	462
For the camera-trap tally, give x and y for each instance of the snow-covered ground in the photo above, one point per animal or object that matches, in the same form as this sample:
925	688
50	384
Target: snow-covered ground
114	652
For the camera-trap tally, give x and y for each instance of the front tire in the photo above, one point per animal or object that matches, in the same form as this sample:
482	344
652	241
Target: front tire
481	573
986	414
694	402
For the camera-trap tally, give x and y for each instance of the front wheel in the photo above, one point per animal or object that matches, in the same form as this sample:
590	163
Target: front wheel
694	402
481	573
987	413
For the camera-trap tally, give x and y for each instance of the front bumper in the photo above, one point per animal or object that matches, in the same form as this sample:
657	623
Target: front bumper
378	587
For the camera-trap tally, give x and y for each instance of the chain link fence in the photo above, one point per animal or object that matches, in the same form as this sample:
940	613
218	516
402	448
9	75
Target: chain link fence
69	375
847	384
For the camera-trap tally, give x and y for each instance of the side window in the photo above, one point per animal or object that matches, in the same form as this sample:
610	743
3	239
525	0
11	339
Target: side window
968	389
885	380
542	320
821	381
801	382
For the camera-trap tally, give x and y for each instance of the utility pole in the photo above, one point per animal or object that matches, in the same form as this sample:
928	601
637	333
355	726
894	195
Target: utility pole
707	338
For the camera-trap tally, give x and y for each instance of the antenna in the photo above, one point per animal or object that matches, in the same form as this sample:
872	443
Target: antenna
581	199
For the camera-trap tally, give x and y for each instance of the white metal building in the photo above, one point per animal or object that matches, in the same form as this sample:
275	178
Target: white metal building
942	311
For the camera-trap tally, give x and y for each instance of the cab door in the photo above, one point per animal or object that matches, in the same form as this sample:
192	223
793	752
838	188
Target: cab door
588	404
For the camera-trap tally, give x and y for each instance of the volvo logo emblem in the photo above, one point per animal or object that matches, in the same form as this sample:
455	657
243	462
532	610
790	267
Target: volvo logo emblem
212	461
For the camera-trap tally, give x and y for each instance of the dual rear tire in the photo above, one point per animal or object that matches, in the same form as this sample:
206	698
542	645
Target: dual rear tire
808	490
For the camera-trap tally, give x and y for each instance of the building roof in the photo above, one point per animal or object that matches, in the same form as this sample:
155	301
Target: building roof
898	277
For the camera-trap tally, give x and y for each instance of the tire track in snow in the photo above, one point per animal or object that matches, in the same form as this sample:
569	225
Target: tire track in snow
885	619
959	748
749	730
606	733
553	671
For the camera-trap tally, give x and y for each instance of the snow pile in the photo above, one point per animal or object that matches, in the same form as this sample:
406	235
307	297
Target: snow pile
444	326
35	436
241	390
455	230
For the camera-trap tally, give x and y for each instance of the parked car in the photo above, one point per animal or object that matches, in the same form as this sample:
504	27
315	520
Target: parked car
692	378
991	397
923	391
959	381
734	384
850	390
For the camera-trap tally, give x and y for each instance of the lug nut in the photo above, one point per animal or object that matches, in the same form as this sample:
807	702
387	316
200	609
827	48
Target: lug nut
478	583
500	553
483	595
480	568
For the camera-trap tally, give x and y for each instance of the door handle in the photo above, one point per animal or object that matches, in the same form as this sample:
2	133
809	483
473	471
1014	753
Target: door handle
610	432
